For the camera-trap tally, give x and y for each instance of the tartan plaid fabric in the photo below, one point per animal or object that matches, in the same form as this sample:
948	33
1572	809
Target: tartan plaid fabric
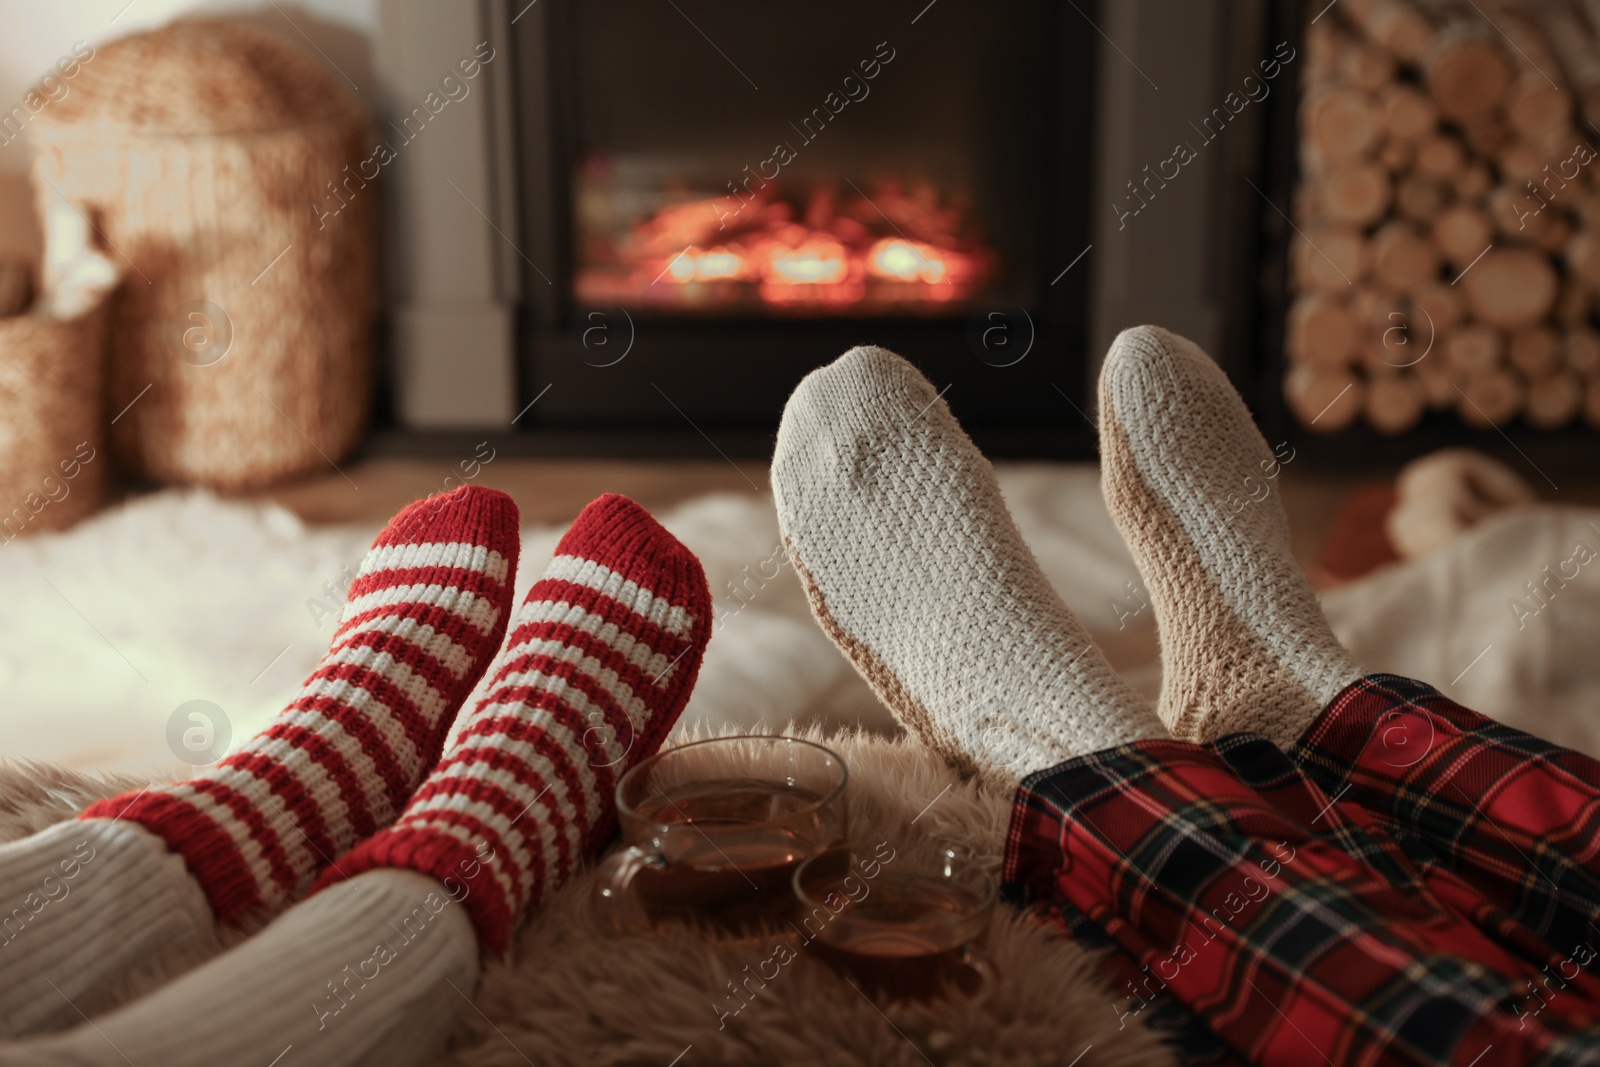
1412	883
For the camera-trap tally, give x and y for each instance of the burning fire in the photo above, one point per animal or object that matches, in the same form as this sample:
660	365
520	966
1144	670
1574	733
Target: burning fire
820	260
893	251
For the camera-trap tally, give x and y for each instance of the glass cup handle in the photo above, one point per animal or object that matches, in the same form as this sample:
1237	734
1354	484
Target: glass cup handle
981	964
616	907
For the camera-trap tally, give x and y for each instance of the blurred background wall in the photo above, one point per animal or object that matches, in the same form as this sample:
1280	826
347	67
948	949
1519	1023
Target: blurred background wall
37	35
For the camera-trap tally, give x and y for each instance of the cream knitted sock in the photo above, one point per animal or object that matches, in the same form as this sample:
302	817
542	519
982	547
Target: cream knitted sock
372	971
86	908
915	570
1190	483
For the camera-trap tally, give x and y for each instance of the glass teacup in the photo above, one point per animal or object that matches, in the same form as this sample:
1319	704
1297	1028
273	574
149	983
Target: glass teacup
900	923
714	831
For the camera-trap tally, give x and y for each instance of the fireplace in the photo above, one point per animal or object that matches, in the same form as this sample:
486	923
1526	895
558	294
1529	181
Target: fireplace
653	217
715	197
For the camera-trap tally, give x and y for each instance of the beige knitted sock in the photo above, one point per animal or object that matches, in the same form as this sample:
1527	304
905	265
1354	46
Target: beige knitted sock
1191	484
915	570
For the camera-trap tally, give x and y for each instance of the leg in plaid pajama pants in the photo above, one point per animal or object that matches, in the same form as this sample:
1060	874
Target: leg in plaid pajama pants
1411	883
1297	863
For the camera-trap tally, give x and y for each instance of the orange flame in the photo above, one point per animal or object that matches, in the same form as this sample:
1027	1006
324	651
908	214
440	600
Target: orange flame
832	259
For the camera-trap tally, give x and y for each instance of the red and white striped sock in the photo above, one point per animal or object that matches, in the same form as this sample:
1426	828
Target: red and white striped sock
423	619
600	662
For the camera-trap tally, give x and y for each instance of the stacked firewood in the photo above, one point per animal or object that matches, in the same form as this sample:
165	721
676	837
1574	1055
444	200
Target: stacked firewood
1447	253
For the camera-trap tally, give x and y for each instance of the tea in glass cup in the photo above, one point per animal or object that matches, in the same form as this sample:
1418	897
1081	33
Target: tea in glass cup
715	830
900	923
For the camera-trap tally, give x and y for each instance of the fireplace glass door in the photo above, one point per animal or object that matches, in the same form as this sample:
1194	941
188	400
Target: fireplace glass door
738	191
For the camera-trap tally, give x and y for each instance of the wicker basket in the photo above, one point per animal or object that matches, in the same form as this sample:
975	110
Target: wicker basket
53	467
243	327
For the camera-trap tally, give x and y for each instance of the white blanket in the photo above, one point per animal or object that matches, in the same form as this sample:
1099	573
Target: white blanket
1465	621
108	628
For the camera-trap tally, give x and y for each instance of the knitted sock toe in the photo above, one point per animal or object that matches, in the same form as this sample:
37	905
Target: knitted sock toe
423	619
916	571
602	657
1190	483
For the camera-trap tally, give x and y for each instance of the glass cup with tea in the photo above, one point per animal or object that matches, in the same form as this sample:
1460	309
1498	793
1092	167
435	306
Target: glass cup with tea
902	924
714	831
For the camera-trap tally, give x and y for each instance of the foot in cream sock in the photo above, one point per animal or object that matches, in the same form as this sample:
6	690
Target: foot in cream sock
1190	483
916	571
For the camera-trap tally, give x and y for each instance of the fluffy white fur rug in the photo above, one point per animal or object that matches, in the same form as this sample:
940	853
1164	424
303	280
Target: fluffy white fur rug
574	996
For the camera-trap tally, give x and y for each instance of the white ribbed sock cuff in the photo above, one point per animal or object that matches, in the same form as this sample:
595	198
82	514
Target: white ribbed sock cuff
87	909
373	970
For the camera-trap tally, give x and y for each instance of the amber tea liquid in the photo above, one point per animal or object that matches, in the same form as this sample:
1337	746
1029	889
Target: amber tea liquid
731	847
905	939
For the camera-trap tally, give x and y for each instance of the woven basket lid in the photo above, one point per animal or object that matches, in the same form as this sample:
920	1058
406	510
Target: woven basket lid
200	78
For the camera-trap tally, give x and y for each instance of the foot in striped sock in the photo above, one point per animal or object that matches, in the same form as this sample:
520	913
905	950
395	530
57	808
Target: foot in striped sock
600	662
423	619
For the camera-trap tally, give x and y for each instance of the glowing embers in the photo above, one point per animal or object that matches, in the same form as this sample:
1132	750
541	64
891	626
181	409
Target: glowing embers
906	261
719	263
818	260
889	252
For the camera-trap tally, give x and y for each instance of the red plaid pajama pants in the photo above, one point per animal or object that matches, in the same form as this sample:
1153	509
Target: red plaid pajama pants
1411	883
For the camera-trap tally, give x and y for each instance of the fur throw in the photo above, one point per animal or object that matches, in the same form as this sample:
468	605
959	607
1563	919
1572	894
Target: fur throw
573	995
